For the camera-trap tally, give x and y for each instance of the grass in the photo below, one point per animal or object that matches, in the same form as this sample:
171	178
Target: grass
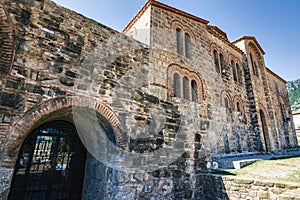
287	170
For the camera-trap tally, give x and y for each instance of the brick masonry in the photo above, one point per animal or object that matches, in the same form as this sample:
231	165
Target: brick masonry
54	61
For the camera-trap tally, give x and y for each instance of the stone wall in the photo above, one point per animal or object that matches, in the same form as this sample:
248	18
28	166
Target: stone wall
65	65
283	115
238	188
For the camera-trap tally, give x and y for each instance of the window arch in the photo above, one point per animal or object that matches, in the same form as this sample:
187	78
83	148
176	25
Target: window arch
226	100
237	71
184	37
185	84
219	57
238	104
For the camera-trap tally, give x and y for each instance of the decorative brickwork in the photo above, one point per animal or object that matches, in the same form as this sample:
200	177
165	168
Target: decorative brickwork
7	41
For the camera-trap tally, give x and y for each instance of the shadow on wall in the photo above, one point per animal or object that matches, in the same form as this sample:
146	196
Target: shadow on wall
102	182
210	186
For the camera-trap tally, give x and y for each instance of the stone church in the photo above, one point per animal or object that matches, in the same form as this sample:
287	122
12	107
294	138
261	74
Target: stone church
87	112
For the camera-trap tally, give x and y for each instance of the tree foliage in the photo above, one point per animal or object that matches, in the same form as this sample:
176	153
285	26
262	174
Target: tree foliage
293	88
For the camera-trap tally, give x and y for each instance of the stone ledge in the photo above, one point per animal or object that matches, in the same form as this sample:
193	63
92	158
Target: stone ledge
242	163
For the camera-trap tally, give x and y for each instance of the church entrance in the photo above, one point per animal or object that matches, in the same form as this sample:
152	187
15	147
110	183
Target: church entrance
50	164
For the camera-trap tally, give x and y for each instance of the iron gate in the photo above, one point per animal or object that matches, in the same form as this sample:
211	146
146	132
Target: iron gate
50	164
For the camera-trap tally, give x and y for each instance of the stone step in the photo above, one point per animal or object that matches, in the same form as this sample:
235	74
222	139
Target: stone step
242	163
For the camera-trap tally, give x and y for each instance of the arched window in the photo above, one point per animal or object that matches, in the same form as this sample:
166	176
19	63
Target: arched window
185	84
179	37
282	112
256	69
194	91
239	73
176	85
254	66
226	103
187	39
184	43
186	88
222	62
233	70
238	106
216	58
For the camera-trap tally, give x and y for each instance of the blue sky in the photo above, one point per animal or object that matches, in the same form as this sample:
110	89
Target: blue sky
274	23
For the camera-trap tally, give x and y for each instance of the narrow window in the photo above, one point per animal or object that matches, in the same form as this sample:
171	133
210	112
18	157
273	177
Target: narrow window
216	58
186	88
194	91
226	103
239	73
233	71
238	106
253	65
179	37
282	112
256	69
176	85
187	42
222	62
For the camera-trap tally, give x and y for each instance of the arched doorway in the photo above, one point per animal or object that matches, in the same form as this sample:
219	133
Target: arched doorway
50	164
265	131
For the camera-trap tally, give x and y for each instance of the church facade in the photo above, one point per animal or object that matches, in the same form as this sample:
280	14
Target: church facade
87	112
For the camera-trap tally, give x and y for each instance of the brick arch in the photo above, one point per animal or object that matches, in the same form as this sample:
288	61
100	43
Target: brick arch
263	108
226	94
178	24
7	41
236	99
58	108
283	107
255	49
235	59
256	53
214	46
192	75
267	137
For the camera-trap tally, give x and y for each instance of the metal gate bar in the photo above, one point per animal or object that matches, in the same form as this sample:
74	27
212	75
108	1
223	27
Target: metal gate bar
50	164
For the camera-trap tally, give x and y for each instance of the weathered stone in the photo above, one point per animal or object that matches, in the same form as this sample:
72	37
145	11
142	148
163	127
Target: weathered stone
67	82
10	100
77	62
280	185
